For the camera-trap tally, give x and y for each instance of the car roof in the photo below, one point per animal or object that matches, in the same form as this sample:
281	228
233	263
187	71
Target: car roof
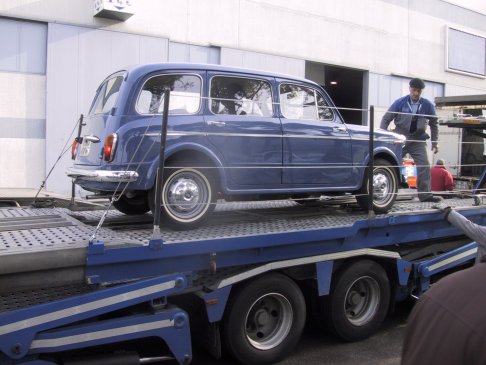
136	71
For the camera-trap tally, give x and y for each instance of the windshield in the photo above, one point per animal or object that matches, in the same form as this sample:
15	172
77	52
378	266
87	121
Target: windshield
106	97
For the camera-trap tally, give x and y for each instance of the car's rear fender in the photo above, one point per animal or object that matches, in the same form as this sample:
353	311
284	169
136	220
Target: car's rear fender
190	155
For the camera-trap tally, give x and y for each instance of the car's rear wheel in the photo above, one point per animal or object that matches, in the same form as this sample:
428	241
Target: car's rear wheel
134	205
187	197
385	188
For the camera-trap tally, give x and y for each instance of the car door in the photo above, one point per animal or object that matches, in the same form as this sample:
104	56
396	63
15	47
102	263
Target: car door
243	127
316	143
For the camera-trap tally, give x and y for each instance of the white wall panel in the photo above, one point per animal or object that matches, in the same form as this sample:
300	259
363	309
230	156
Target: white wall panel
385	89
261	61
23	46
181	52
33	46
22	129
9	50
23	165
153	49
78	60
22	95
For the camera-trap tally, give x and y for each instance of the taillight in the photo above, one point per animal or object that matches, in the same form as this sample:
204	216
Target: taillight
74	149
110	147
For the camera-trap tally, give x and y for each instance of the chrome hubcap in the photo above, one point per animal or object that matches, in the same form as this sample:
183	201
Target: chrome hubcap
381	186
183	195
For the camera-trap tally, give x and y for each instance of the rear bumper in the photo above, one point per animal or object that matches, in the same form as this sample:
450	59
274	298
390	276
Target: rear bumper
101	175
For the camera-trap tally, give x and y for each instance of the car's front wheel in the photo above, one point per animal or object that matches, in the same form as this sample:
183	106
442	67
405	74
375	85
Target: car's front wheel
385	188
187	197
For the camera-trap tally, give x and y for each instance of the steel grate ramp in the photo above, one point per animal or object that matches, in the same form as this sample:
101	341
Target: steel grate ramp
256	218
34	222
50	243
74	229
22	299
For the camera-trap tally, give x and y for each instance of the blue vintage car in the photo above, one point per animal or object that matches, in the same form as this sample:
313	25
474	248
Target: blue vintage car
232	134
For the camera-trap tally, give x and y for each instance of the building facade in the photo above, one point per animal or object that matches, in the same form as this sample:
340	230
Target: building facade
54	54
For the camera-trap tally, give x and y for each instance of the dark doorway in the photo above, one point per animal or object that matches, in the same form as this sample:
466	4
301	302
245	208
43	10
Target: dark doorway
345	86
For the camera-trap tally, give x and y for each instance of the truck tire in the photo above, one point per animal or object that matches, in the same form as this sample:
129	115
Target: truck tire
132	206
385	187
358	302
264	320
187	198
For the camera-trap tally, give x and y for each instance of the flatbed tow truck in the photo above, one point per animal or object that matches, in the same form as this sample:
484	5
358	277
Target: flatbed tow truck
73	292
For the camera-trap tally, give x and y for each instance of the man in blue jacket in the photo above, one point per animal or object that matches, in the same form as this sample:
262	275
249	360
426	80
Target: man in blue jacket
412	114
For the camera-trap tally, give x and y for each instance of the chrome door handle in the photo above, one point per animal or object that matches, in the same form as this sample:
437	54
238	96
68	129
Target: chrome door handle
215	123
339	129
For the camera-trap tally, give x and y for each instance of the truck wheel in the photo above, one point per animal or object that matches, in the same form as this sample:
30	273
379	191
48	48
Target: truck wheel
264	320
385	188
132	206
187	198
358	302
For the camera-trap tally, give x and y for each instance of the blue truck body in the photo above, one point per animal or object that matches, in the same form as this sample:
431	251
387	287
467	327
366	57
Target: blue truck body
126	280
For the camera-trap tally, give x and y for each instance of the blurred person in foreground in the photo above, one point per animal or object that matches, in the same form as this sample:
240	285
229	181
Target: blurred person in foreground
448	323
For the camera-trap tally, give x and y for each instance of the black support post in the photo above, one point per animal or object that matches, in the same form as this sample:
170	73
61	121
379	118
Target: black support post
371	165
160	170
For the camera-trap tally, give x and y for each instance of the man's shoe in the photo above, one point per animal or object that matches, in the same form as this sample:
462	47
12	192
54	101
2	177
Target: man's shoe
432	199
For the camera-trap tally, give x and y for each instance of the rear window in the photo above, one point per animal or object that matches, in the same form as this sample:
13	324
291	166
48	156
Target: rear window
185	94
106	97
241	96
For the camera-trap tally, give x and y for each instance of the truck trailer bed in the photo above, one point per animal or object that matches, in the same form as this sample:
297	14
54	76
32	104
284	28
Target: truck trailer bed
47	247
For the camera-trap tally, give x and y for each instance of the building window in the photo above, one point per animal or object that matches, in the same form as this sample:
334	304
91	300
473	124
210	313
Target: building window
466	53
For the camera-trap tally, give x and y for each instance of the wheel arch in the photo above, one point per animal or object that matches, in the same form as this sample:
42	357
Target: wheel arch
386	155
197	155
387	263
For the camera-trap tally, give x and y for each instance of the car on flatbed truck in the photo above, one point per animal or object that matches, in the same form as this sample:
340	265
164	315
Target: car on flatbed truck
232	133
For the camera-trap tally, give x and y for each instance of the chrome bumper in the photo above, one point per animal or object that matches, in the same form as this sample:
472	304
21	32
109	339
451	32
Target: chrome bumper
102	175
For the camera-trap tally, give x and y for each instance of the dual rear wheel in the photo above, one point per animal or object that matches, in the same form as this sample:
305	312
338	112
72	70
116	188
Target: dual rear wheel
265	317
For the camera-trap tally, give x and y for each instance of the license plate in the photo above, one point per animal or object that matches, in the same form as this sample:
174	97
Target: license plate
85	147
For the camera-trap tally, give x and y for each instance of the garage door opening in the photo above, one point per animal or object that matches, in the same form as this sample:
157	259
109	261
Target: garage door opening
345	86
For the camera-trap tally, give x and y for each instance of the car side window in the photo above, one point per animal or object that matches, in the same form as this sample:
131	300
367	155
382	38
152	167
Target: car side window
185	94
240	96
301	102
